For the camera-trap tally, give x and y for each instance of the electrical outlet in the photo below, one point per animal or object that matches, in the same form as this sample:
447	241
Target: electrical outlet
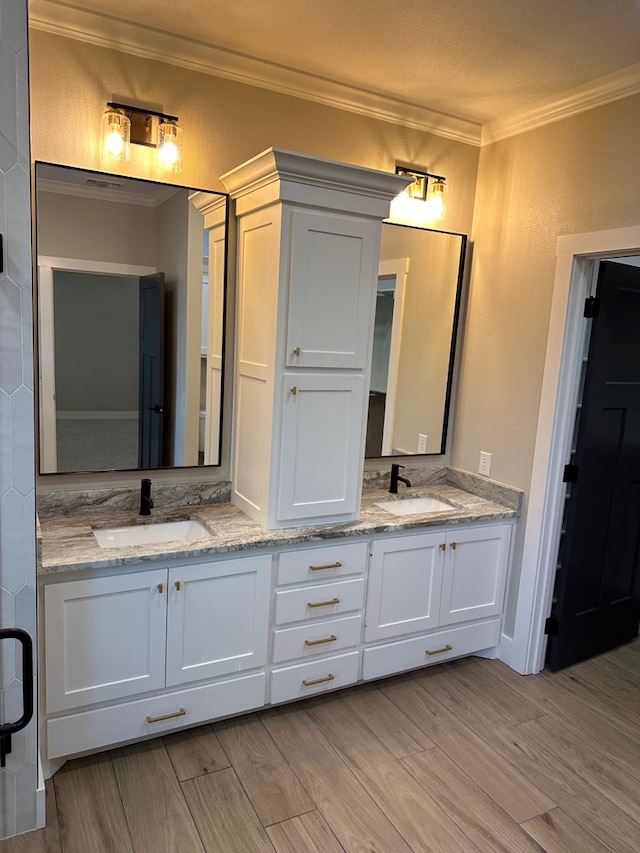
422	443
484	467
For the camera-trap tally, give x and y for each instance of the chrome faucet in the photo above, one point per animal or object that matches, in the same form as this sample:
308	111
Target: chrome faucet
395	478
146	503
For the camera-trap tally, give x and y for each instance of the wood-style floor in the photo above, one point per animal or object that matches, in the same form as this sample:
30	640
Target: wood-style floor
461	756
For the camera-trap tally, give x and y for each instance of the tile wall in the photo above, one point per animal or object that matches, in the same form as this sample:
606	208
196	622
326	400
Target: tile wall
18	781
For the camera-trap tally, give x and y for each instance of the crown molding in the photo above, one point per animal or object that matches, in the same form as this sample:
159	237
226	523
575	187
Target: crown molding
157	195
596	93
149	43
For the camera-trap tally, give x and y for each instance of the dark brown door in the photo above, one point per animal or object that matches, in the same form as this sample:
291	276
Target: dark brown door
151	376
597	601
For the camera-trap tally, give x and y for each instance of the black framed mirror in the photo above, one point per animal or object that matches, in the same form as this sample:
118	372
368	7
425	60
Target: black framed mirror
131	291
417	313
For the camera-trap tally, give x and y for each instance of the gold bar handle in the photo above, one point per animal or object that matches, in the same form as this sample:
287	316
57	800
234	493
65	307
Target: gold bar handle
443	547
446	648
453	546
160	587
323	603
329	677
296	350
330	639
335	565
294	391
180	713
178	585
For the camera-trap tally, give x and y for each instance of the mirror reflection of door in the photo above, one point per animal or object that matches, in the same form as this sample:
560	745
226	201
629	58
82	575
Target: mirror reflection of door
151	409
385	357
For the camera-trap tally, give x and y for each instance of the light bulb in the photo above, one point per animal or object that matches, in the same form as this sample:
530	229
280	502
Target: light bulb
437	199
170	146
116	129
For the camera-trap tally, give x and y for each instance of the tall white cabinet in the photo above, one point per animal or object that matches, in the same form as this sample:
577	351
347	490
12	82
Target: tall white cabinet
308	245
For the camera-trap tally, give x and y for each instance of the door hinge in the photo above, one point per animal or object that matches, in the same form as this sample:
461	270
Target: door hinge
570	474
551	626
591	306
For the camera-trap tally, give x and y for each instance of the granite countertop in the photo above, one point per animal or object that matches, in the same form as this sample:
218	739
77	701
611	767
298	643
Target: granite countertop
68	544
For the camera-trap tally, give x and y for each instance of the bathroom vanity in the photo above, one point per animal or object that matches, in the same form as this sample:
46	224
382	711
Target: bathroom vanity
146	639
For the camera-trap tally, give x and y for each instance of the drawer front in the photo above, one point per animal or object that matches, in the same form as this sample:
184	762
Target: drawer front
313	677
317	638
429	649
91	730
315	564
313	602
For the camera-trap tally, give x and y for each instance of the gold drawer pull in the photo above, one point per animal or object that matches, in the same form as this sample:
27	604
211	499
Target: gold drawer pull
443	547
294	390
178	585
336	565
453	546
330	639
446	648
296	350
329	677
180	713
323	603
160	587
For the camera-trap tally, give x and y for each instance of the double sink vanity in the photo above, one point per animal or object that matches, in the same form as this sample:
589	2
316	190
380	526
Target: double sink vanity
302	574
152	636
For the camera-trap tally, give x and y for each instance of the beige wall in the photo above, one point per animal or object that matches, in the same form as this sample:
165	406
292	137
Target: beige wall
574	176
225	123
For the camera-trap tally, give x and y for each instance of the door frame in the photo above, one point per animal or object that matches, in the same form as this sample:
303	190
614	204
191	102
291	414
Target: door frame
577	258
47	265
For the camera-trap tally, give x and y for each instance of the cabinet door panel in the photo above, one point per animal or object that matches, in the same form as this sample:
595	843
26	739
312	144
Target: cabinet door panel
217	618
320	450
405	576
105	638
332	264
474	574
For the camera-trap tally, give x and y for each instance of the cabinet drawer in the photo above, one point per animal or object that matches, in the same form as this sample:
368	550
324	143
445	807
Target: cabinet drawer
429	648
311	602
318	676
316	638
92	730
315	564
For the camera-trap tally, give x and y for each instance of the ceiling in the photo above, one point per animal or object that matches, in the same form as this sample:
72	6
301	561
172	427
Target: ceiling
454	66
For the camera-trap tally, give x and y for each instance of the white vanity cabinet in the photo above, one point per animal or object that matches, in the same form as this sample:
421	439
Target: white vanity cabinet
423	583
318	611
140	635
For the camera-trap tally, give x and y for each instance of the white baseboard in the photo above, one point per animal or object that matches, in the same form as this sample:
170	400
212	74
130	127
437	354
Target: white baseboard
504	649
41	799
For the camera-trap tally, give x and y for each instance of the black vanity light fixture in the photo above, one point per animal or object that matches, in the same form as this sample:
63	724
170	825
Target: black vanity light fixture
123	124
428	188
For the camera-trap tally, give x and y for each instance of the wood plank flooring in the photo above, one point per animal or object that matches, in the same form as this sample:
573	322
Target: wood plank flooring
462	756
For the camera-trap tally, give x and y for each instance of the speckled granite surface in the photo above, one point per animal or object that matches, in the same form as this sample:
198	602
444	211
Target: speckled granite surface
68	543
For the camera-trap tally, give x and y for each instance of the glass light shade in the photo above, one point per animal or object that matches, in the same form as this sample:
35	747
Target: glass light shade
116	132
437	194
170	146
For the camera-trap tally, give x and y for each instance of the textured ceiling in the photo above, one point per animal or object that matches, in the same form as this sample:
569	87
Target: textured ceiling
475	59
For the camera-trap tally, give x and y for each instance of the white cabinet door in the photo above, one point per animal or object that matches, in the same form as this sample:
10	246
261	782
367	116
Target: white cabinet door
333	268
321	445
105	638
217	618
474	575
405	577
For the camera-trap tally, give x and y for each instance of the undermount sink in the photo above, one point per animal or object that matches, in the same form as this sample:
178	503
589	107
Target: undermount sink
414	506
150	534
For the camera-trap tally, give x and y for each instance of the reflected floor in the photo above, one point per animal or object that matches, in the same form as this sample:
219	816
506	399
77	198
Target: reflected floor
97	445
